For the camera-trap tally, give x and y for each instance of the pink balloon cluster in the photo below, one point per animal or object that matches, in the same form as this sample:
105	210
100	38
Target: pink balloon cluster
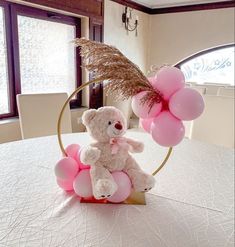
164	120
73	175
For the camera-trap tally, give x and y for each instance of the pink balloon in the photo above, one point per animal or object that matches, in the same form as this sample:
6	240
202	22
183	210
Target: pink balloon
143	110
82	184
146	123
66	168
152	80
168	81
186	104
167	130
65	184
124	187
72	150
81	165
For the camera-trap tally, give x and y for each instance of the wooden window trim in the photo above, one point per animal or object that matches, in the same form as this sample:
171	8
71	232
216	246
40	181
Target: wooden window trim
179	64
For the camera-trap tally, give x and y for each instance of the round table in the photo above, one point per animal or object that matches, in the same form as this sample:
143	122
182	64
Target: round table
191	204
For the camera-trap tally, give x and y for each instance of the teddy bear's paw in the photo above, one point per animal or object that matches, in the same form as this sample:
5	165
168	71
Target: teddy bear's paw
90	155
104	188
144	183
139	147
136	147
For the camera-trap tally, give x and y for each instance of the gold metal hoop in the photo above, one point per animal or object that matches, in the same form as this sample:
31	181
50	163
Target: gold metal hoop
62	112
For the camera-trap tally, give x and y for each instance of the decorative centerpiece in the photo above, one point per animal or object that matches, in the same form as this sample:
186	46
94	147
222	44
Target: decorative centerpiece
105	171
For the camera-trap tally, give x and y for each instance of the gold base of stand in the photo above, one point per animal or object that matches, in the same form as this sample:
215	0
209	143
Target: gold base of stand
135	198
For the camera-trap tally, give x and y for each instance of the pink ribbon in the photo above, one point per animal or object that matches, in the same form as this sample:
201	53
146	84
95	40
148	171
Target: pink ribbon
117	143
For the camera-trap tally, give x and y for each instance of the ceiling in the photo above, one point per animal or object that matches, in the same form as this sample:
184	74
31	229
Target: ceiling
172	3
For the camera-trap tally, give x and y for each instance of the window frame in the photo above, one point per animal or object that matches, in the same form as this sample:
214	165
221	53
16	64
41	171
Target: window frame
11	11
203	52
11	86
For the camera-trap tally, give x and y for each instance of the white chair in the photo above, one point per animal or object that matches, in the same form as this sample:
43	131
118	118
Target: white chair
216	124
219	84
212	89
188	84
188	128
192	83
230	87
39	113
229	92
200	89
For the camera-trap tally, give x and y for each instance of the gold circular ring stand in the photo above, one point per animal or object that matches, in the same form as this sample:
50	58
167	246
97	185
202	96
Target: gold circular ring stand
61	115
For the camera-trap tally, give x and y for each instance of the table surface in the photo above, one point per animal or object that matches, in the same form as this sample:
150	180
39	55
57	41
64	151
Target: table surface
190	206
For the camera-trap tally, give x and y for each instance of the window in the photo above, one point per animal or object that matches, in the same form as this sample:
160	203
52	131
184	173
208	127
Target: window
36	54
212	66
47	57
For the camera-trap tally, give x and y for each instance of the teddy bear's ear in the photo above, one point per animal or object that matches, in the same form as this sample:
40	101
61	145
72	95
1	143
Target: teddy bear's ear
87	116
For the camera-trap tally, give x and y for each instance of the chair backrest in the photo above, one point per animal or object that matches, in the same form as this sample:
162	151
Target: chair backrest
229	92
212	89
200	89
188	84
230	87
188	128
216	124
39	113
219	84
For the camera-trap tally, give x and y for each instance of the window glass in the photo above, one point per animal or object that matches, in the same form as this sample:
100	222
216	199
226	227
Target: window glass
214	67
4	98
47	56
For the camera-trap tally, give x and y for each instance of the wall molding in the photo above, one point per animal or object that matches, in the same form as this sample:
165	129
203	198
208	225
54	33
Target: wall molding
177	9
134	5
195	7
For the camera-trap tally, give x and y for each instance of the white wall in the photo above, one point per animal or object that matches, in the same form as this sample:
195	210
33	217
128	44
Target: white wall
176	36
135	48
9	130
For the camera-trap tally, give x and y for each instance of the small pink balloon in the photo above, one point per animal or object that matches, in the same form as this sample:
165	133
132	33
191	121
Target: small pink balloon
145	123
72	150
81	165
152	80
143	110
168	81
66	168
65	184
167	130
186	104
82	184
124	187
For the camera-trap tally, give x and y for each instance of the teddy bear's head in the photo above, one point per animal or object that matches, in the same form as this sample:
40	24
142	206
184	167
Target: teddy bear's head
105	123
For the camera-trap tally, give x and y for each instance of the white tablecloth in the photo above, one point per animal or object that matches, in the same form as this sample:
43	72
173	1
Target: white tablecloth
191	205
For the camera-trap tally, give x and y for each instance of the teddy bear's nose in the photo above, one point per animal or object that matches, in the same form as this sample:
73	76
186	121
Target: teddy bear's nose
118	126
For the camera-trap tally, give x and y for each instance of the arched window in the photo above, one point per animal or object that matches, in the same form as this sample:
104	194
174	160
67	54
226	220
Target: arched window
214	65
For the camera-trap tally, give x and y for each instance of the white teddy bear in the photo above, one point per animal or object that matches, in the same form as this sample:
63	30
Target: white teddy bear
110	152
